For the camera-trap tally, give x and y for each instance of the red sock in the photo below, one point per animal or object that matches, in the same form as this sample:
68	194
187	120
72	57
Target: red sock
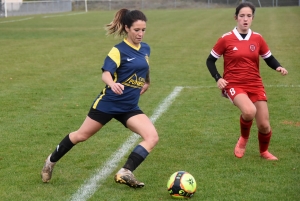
264	141
245	127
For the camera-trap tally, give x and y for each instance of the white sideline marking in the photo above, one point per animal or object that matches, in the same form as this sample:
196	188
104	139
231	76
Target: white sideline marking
283	85
90	186
63	15
267	85
17	20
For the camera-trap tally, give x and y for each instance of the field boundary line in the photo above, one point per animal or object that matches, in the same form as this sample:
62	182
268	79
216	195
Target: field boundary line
267	85
91	185
283	85
48	16
29	18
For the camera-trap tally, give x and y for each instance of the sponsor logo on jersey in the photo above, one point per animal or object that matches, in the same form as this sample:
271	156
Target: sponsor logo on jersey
134	81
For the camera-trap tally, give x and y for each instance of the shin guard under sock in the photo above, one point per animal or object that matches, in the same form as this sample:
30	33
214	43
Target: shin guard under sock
245	127
136	157
264	141
64	146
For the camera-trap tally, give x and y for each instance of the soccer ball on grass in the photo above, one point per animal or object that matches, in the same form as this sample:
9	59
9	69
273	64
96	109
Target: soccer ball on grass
181	184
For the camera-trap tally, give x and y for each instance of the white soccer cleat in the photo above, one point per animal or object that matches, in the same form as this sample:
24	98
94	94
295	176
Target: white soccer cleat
125	176
47	170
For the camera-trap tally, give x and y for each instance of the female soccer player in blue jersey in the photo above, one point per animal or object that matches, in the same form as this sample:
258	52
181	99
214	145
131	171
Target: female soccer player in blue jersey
126	74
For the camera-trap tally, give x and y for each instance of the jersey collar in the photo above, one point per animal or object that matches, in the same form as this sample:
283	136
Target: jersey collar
136	48
238	35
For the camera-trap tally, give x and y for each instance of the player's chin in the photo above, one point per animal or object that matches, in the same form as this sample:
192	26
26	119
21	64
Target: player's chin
139	40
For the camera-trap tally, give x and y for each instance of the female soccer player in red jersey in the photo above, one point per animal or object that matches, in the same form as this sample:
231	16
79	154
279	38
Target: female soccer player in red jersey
126	74
241	81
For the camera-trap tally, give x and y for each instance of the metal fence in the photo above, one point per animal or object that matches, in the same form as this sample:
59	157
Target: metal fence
34	7
56	6
172	4
2	9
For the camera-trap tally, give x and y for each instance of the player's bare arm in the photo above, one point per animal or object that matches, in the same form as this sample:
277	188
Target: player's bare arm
115	87
147	83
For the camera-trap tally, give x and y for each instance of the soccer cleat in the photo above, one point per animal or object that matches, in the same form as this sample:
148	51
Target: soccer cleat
268	156
47	170
240	147
125	176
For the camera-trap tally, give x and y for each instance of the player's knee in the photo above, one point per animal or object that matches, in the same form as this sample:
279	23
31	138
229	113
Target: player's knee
79	137
153	139
263	127
249	115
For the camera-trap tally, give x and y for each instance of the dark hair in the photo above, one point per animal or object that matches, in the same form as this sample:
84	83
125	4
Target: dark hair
124	17
244	4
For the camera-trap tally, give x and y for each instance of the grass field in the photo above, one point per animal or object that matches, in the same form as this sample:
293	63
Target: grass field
50	72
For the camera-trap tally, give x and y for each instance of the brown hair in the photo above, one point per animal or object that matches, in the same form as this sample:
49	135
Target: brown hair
242	5
123	17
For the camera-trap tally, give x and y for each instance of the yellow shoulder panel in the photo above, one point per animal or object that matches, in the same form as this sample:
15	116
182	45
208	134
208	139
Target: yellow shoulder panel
114	54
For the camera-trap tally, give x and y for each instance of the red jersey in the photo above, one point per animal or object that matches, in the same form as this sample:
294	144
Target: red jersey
241	57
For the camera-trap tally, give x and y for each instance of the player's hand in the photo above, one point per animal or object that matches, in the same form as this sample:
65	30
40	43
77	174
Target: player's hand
117	88
145	87
282	70
222	83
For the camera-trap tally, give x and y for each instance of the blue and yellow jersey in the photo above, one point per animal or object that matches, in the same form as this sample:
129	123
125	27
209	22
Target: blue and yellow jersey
129	66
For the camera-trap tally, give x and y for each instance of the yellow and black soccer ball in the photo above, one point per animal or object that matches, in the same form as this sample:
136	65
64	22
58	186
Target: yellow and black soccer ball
181	184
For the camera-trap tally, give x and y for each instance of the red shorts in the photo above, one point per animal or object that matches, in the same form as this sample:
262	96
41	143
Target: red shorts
254	94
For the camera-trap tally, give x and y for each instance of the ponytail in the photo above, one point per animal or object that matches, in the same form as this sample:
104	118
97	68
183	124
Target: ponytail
123	17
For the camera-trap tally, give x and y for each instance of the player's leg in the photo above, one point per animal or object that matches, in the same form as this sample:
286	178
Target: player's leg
90	126
141	125
264	129
248	110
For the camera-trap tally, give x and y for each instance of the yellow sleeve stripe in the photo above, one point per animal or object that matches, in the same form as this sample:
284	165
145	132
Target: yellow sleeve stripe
116	76
98	99
115	55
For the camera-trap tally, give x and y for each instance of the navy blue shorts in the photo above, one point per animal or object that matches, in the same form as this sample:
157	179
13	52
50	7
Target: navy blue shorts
103	117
